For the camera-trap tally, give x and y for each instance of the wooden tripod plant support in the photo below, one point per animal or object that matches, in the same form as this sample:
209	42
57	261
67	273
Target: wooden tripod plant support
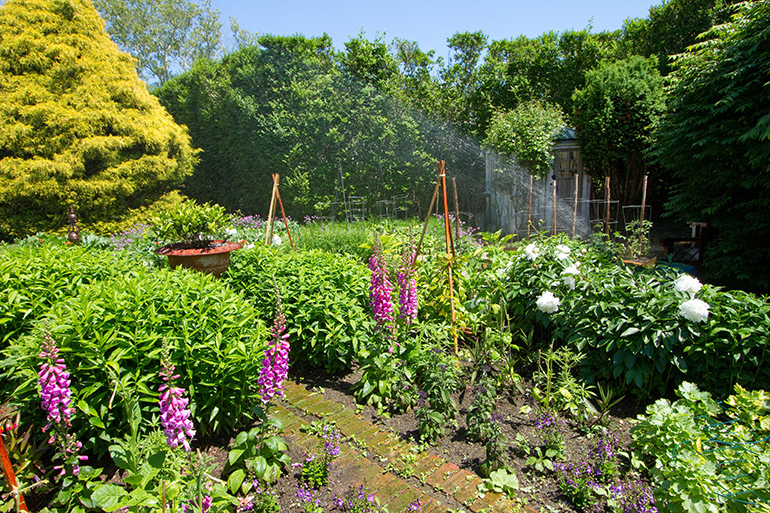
270	216
450	246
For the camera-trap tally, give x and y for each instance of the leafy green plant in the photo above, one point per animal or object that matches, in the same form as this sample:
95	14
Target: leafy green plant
703	456
478	418
34	277
111	335
259	453
191	224
501	481
327	309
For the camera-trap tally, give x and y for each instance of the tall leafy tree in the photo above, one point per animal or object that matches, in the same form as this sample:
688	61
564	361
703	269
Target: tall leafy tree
715	139
77	125
549	68
287	107
165	36
671	27
527	133
615	114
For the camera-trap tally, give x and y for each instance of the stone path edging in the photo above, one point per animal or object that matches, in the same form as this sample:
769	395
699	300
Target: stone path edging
454	488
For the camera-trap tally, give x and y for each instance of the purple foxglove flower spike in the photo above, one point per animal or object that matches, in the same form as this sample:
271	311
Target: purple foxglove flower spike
174	414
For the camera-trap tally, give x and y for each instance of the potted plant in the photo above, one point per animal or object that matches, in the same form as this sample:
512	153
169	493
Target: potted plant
635	248
200	232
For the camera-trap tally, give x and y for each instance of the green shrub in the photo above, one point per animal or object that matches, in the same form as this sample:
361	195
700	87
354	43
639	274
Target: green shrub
110	336
703	456
33	277
325	300
626	320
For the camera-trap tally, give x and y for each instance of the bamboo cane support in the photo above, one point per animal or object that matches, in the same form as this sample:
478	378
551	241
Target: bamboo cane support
641	216
575	205
553	208
449	254
607	206
10	477
529	212
427	219
285	221
269	227
457	214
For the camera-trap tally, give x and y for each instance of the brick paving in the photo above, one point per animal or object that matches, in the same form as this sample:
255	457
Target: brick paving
376	453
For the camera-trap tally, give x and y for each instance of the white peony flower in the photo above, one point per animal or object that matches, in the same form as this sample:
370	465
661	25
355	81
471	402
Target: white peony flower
531	252
569	275
686	283
548	303
249	245
231	232
276	240
562	251
694	310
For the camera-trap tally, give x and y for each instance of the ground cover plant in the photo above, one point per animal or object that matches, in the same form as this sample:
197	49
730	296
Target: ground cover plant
552	334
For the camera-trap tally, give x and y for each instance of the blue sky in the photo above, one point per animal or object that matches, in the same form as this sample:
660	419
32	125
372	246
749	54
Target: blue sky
428	22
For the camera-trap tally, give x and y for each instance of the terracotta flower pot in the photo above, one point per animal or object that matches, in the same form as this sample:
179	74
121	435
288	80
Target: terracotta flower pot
212	259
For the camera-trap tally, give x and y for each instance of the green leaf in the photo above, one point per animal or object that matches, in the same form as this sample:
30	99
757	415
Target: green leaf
108	497
235	480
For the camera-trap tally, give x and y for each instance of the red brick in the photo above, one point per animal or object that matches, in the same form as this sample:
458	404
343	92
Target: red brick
426	464
308	401
401	501
488	501
324	408
469	490
442	475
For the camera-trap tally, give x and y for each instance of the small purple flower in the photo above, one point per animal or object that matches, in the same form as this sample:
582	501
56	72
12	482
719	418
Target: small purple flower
174	414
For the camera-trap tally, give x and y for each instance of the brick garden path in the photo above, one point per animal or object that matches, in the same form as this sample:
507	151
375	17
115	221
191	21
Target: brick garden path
376	458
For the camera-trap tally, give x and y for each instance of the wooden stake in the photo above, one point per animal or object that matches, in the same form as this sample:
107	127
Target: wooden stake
285	221
575	204
529	212
427	219
269	227
449	252
607	206
10	477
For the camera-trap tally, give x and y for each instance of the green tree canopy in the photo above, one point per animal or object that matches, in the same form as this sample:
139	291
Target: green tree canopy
614	114
77	125
671	27
715	138
165	36
527	133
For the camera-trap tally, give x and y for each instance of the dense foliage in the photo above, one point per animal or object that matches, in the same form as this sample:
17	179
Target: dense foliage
615	113
705	455
110	332
714	140
78	126
527	133
325	301
630	323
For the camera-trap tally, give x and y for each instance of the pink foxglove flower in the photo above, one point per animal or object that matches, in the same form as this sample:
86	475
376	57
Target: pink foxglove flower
174	413
380	292
54	381
275	364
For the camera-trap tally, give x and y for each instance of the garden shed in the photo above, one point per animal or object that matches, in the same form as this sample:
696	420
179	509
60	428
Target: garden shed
514	196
